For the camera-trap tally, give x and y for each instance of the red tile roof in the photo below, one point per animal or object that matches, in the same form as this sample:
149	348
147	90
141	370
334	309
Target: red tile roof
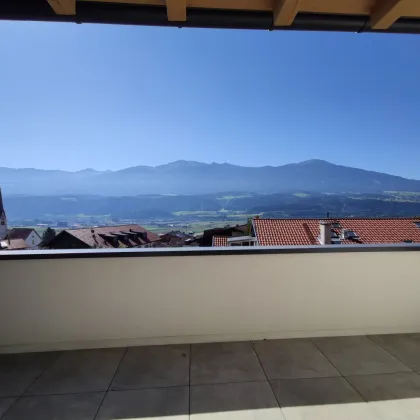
20	233
93	237
220	241
13	244
306	231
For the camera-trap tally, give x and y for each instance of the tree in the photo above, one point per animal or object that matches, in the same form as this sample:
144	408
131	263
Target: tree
47	237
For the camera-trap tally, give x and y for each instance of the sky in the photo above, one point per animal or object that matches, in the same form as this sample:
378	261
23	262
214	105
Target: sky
110	97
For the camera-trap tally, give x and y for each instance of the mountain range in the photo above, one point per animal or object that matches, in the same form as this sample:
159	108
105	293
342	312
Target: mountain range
190	177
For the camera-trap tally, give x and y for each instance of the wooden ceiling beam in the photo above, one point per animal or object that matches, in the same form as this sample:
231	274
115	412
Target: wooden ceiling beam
285	12
63	7
176	10
386	12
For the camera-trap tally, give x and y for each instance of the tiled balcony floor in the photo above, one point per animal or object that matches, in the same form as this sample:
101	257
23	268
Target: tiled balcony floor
323	378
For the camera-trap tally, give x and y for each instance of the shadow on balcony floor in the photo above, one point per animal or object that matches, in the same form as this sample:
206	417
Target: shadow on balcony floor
323	378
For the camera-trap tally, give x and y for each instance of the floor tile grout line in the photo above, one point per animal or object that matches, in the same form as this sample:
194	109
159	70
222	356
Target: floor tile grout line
61	394
230	383
259	361
356	390
27	388
13	403
339	371
105	390
393	355
269	383
42	374
209	384
198	384
326	358
353	375
109	386
390	353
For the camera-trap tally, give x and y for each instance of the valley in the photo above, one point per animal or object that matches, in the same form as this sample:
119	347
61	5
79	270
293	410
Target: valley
196	213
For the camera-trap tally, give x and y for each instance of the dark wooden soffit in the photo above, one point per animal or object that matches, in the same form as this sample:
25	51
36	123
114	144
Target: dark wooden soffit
398	16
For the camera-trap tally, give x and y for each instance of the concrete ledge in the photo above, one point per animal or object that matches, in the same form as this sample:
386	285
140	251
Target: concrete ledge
70	303
205	251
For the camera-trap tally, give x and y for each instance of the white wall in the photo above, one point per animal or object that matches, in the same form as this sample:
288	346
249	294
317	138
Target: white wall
33	240
82	303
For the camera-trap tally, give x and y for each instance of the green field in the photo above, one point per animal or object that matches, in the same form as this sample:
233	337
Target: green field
195	213
196	227
231	197
404	193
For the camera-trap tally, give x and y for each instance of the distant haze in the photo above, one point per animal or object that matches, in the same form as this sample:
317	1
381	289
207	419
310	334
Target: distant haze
190	177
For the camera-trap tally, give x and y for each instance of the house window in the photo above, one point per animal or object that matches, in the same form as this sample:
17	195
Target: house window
349	234
2	223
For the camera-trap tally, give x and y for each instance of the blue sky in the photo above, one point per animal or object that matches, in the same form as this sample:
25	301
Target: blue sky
109	97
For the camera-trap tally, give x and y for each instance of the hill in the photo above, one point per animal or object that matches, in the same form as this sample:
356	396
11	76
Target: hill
212	207
187	177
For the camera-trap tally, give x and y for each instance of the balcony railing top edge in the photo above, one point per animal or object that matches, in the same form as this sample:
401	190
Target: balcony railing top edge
204	251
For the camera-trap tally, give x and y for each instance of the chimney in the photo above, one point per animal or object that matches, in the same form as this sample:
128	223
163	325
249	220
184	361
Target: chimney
325	232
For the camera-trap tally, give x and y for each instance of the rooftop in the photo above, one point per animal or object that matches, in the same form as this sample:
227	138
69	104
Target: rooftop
356	377
20	233
277	232
220	241
111	236
13	244
354	16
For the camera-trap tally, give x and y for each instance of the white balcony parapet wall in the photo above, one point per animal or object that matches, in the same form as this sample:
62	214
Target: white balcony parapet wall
72	303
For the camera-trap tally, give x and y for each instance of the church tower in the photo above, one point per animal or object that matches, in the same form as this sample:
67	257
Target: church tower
3	219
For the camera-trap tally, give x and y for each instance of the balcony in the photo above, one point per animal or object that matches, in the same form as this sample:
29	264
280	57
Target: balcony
235	326
355	377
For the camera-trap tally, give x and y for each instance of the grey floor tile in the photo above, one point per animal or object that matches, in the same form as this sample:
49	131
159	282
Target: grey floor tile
394	395
5	404
153	366
56	407
314	391
391	386
358	355
236	401
320	398
290	359
146	403
18	371
406	347
79	371
224	362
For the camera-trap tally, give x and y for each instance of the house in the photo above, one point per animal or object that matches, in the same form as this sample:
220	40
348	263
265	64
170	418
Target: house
207	238
120	236
12	245
284	232
29	236
219	241
177	238
234	241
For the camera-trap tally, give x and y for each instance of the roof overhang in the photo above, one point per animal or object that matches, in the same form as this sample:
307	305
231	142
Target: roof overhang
397	16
